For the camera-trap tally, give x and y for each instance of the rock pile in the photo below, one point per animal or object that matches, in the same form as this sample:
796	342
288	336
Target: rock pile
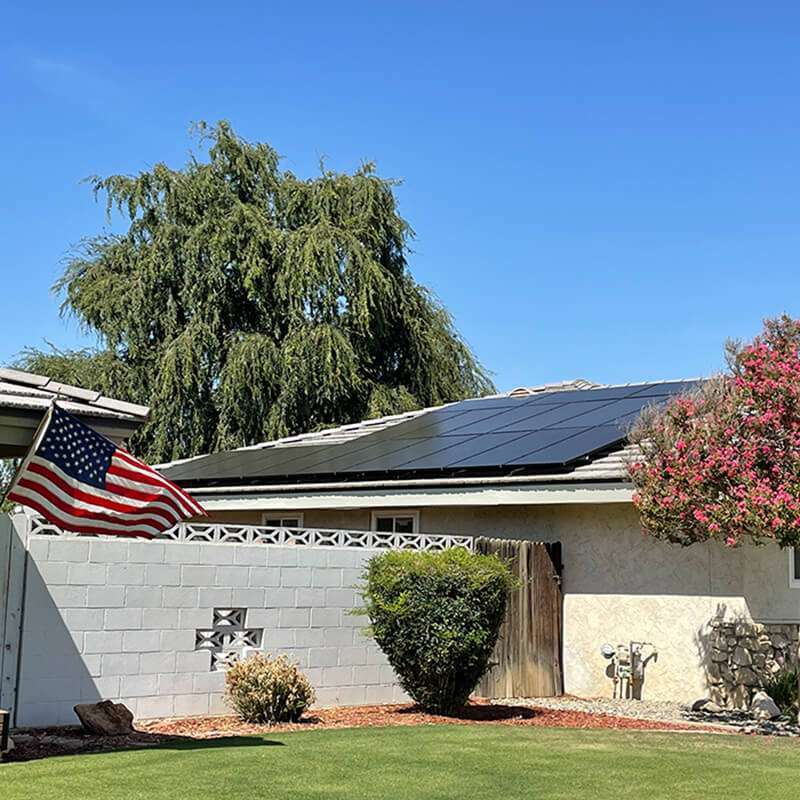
743	655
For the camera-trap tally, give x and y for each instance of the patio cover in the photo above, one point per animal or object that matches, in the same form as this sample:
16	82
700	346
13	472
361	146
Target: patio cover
24	398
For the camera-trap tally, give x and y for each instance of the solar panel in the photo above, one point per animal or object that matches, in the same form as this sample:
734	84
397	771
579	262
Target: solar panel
668	389
550	429
585	395
513	450
379	456
450	455
577	443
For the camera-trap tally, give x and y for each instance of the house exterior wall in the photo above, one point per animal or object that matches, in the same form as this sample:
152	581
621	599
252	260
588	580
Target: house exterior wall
620	586
110	619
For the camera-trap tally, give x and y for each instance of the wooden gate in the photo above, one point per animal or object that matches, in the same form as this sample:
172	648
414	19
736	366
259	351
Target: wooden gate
527	658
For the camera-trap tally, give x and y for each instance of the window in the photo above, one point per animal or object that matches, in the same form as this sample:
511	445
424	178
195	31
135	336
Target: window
794	567
395	521
273	520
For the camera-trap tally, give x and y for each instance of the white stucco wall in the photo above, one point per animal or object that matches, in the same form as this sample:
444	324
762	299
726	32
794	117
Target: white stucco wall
620	586
110	619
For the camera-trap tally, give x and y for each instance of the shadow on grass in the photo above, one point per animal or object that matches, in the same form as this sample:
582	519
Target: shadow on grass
477	712
35	745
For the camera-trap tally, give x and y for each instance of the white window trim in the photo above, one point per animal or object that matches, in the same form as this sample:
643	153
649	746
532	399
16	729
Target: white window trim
298	515
794	582
399	512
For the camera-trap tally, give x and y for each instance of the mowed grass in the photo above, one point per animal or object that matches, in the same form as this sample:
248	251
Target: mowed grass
437	761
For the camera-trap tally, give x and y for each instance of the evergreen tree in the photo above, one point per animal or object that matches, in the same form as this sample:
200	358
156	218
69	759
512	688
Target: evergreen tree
244	303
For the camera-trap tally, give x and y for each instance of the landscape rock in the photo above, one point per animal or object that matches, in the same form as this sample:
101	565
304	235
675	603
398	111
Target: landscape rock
706	706
762	706
105	718
739	697
747	677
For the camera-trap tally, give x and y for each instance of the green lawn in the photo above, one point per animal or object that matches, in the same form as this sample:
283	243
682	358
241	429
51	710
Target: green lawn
437	761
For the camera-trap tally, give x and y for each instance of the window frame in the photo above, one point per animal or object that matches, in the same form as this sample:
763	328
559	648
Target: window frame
282	515
794	578
392	514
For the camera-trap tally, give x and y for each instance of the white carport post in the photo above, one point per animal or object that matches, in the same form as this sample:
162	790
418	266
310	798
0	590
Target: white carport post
13	556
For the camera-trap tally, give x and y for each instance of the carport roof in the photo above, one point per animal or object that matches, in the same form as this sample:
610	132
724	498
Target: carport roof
25	396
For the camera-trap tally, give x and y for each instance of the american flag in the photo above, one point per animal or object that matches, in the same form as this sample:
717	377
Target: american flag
82	482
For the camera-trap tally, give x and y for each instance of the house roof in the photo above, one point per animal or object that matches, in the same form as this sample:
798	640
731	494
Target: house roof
574	430
25	396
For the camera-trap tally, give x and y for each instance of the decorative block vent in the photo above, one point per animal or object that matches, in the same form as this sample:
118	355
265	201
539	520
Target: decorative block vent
213	533
227	638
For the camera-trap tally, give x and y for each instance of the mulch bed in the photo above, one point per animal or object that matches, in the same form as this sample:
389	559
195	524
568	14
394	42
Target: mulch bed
402	715
45	742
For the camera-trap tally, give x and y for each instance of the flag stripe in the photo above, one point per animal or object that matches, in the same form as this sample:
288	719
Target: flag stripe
69	523
104	503
113	491
185	499
119	471
132	489
82	481
72	508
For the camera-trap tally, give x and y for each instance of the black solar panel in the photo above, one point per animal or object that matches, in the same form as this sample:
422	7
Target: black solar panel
548	430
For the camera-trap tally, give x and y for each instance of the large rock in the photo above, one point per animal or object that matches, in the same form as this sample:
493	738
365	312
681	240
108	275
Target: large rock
105	718
762	706
706	706
747	677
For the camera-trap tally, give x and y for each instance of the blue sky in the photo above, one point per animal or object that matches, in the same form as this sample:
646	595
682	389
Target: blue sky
600	190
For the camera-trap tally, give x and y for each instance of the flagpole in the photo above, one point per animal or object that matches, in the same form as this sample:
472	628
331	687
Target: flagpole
37	440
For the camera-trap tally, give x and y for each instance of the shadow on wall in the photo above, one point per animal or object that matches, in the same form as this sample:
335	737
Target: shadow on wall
739	656
59	664
627	668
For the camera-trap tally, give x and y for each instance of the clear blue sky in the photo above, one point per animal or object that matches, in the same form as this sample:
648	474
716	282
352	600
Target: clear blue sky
604	190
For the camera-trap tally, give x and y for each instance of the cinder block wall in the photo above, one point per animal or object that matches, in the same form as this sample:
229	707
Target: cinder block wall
110	619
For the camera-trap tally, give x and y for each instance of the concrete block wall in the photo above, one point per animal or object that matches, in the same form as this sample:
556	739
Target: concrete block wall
116	619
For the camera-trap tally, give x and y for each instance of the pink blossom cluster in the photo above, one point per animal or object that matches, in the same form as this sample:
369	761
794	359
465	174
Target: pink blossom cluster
724	463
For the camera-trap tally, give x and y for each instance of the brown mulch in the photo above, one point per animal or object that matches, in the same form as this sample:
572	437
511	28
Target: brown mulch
403	715
45	742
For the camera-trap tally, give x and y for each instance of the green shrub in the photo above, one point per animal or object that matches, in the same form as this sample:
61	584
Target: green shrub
436	616
264	690
782	688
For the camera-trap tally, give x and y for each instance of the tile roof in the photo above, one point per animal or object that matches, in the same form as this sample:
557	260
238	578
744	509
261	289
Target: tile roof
355	430
246	465
27	391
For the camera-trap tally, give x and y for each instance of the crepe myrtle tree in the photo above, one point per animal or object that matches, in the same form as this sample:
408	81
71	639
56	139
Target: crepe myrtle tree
723	463
242	303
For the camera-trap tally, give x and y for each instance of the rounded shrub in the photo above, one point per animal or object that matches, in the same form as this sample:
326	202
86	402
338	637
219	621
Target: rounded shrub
436	616
264	690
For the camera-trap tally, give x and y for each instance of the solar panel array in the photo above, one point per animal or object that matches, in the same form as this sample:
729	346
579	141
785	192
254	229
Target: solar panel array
547	430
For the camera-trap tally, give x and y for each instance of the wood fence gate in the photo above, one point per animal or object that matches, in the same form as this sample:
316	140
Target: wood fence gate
527	658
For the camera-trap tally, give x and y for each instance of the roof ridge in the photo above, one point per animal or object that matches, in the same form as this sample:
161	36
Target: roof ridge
581	384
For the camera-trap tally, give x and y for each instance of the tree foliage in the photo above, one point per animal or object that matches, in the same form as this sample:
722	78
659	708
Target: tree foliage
724	462
8	468
437	616
244	303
